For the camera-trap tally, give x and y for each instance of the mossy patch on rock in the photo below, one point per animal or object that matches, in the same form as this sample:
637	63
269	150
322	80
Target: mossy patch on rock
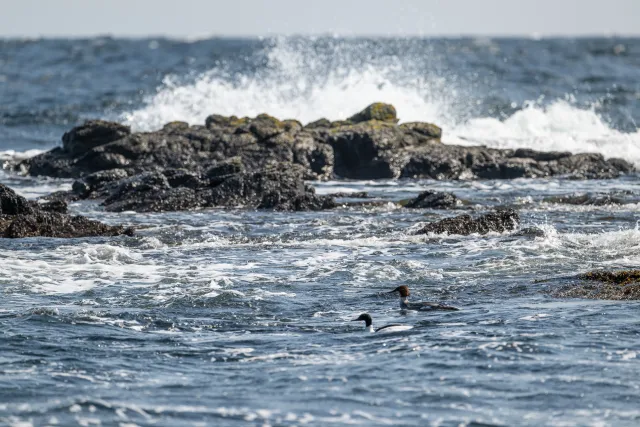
427	129
376	111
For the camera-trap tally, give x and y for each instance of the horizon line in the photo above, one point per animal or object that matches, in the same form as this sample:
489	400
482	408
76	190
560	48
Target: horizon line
196	38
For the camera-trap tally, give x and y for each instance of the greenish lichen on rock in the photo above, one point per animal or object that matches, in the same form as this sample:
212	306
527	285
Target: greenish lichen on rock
370	145
376	111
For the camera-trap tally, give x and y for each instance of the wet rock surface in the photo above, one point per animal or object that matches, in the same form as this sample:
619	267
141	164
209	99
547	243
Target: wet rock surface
608	285
499	221
20	218
441	161
594	199
227	184
369	145
433	200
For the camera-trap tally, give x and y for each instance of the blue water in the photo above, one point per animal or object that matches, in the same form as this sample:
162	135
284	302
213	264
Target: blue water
232	317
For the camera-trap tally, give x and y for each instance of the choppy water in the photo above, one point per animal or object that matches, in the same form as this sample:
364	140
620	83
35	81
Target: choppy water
243	318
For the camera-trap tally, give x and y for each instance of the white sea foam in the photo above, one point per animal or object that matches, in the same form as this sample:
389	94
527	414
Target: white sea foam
559	126
296	84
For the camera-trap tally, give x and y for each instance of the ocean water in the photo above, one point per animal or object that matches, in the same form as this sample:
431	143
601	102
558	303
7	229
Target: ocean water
235	317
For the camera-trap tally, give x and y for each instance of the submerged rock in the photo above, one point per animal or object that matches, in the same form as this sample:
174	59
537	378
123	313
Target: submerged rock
21	218
433	200
596	199
608	285
499	221
352	195
369	145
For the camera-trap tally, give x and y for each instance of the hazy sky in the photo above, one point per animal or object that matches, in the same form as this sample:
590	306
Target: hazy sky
198	18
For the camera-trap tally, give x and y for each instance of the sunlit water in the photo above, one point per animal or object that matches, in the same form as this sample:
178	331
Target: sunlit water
235	317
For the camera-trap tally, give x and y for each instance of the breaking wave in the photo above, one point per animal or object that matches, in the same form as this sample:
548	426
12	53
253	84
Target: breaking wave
301	81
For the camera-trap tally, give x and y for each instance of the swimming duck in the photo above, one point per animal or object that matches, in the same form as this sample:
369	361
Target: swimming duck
368	322
422	306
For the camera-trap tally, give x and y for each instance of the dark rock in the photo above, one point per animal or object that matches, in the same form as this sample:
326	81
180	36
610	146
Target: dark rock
530	232
307	201
274	188
354	195
91	134
587	199
95	185
228	167
370	145
499	221
58	206
150	199
372	150
607	285
439	161
277	187
175	126
13	204
322	123
183	178
433	200
258	142
623	277
48	224
21	218
376	111
427	129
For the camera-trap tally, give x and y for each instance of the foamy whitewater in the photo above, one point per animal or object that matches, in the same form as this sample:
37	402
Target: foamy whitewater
236	317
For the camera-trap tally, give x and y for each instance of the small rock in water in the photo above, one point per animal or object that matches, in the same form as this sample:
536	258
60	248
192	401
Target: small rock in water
354	195
587	199
20	218
605	285
433	200
499	221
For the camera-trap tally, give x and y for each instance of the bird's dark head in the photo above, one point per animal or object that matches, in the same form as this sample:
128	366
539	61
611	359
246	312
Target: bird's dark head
403	290
364	317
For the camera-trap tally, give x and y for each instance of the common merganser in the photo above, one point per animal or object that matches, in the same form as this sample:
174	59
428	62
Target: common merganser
368	322
423	306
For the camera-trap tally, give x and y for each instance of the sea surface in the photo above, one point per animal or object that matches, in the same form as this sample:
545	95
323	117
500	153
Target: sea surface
243	318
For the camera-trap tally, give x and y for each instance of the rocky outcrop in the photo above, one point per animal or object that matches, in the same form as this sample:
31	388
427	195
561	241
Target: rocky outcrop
499	221
227	184
99	146
432	200
369	145
453	162
609	285
20	218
